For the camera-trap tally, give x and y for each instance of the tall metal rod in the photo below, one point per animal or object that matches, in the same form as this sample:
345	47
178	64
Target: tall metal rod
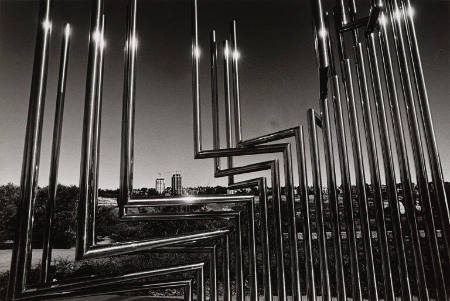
236	91
226	269
195	79
84	237
402	154
214	96
433	153
97	130
227	93
304	200
359	165
213	289
128	111
54	163
239	261
333	200
373	164
419	161
21	257
389	168
418	152
317	183
345	175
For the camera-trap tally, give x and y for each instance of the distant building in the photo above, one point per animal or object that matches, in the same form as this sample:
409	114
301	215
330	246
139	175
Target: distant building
177	189
160	185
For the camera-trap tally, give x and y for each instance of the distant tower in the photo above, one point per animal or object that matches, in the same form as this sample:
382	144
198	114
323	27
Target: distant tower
177	189
160	185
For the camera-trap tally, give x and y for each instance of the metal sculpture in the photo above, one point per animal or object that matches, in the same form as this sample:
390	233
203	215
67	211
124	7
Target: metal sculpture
370	39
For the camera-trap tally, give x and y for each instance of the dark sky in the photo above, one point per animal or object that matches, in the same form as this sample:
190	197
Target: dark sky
278	81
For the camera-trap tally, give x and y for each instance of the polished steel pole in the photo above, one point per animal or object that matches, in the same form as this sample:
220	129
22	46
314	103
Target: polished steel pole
358	162
418	151
97	130
373	165
54	162
389	171
214	97
21	257
128	111
402	154
84	239
433	152
304	200
317	180
227	94
236	91
345	171
333	199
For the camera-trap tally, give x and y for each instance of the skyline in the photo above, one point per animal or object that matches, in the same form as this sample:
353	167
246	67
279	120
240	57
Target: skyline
163	83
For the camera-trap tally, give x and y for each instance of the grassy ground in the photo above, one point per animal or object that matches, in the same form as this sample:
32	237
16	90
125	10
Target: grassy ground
5	257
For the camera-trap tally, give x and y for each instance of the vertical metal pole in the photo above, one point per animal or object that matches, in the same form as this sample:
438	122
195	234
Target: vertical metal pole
419	160
87	169
213	275
264	215
128	111
317	180
195	80
402	158
359	165
374	171
303	180
253	273
389	168
277	222
344	166
97	131
226	269
374	167
21	257
333	201
227	92
239	260
54	163
201	285
430	228
215	98
433	152
293	247
236	91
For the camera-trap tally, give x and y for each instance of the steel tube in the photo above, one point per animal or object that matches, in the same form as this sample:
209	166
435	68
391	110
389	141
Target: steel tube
21	257
419	161
345	171
317	184
235	76
54	162
97	130
226	270
227	93
403	159
84	239
333	200
304	200
374	173
128	111
389	168
214	97
433	152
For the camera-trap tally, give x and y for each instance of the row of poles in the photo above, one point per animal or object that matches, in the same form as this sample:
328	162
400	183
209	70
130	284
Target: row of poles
388	21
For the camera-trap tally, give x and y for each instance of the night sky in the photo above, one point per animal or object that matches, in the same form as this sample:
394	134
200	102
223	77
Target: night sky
278	81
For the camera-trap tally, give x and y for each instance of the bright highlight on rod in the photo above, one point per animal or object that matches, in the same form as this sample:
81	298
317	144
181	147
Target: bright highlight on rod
383	20
196	52
67	30
322	33
47	25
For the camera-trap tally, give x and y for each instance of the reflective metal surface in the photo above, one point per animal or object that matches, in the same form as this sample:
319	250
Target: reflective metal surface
340	239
